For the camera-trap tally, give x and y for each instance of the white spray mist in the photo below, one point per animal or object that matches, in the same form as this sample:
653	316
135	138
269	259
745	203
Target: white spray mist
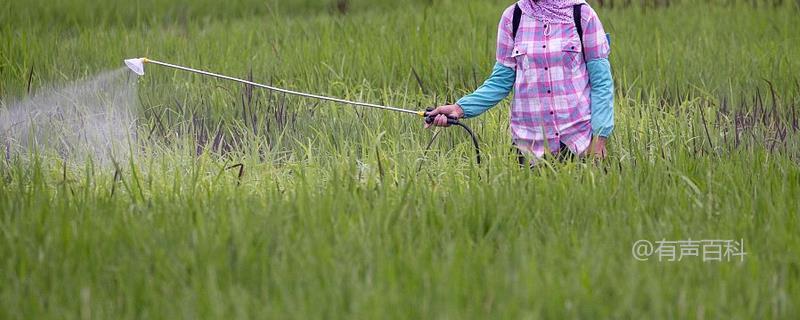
90	118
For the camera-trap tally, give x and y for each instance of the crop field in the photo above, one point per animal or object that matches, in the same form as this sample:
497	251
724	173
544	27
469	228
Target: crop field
221	200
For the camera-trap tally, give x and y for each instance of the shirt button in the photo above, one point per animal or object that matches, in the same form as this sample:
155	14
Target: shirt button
573	48
545	68
551	112
548	91
545	46
556	134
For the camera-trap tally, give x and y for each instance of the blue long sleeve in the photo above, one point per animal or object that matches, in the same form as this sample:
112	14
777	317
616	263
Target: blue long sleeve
602	96
494	90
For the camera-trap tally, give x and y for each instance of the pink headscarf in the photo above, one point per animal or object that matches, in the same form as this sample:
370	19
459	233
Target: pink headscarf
550	11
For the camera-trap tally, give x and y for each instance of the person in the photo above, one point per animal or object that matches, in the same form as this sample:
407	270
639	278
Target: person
563	90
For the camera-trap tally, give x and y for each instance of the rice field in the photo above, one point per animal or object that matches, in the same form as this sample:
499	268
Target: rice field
233	202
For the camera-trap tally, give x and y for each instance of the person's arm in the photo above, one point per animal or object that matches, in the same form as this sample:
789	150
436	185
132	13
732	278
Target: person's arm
596	51
494	90
602	96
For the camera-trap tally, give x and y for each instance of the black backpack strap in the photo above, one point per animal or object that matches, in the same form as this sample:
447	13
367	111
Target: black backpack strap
576	14
515	22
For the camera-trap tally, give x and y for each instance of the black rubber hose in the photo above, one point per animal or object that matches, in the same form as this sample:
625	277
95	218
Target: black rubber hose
474	141
455	122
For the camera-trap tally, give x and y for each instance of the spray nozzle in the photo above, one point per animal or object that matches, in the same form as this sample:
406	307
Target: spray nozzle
136	65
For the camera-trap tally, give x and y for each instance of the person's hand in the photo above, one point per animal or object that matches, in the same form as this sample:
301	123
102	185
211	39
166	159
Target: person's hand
597	149
441	114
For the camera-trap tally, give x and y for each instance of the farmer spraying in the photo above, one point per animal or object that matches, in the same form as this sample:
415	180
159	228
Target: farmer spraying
554	54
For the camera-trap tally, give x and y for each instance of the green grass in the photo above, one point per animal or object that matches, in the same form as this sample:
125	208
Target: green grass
333	217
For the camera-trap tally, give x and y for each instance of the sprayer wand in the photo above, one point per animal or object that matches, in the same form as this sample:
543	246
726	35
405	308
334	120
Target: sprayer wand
137	66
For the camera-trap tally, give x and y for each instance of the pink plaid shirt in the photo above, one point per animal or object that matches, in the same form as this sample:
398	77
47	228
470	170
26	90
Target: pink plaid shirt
551	94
